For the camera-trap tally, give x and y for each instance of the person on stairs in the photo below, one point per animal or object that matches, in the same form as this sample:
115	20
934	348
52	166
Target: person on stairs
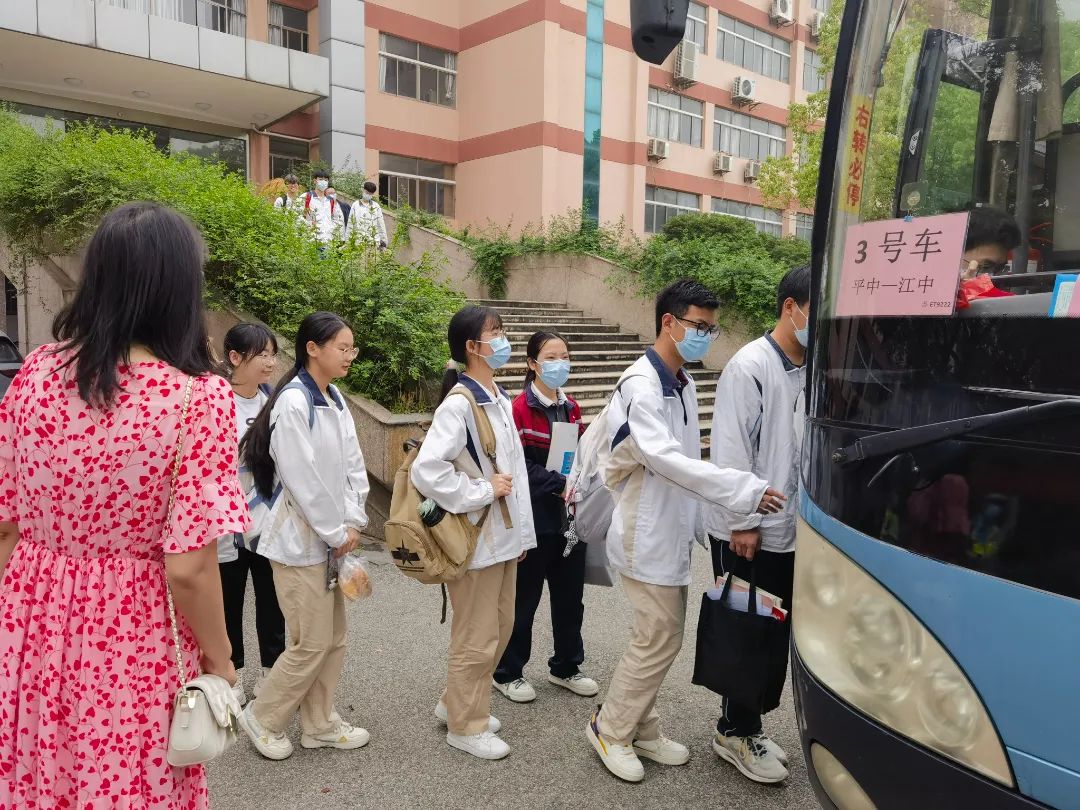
449	470
537	408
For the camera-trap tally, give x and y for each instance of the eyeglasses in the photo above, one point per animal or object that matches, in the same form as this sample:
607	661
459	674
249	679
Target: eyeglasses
266	357
703	329
351	352
985	267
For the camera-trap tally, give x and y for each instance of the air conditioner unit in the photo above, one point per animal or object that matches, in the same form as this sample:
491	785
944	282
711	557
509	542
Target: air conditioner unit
781	12
686	64
816	19
743	90
658	148
721	163
753	169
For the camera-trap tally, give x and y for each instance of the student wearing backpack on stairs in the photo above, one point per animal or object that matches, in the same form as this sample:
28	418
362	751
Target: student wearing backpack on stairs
482	599
321	212
659	482
541	404
290	201
753	429
306	463
250	359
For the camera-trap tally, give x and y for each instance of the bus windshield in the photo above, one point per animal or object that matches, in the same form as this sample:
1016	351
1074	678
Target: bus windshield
952	250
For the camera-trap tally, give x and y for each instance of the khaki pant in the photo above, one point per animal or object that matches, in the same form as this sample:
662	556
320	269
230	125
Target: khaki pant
629	710
483	603
307	673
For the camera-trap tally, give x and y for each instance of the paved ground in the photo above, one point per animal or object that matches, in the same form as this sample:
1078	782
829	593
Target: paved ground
394	674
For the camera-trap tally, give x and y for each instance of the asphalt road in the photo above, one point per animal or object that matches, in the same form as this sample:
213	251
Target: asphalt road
394	673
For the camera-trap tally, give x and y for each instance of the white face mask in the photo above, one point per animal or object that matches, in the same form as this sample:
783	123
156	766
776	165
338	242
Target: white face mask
367	195
322	185
802	335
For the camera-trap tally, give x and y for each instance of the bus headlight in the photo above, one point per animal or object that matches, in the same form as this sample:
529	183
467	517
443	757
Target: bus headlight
862	643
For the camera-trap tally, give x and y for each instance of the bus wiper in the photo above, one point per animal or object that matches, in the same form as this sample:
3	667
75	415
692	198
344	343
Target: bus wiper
897	441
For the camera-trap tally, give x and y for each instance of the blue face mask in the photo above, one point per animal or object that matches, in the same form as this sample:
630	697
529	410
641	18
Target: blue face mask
500	352
802	335
555	373
693	346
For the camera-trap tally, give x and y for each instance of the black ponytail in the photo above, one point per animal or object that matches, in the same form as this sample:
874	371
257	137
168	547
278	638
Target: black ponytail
467	324
532	351
318	328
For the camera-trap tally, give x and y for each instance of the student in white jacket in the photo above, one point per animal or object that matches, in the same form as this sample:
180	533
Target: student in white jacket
659	481
366	223
483	599
305	459
753	429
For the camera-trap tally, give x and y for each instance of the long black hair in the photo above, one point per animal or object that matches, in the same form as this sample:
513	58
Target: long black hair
536	345
318	328
467	324
248	340
142	283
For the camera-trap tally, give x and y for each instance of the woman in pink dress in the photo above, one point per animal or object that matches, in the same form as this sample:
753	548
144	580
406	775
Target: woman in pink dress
87	434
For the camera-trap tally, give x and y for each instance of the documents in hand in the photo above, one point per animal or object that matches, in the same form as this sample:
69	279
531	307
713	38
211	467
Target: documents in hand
564	439
739	598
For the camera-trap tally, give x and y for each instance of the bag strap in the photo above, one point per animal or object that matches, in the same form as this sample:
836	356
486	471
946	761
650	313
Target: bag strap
168	522
486	435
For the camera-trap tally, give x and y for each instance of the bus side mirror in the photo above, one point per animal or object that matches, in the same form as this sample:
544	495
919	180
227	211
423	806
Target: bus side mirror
656	27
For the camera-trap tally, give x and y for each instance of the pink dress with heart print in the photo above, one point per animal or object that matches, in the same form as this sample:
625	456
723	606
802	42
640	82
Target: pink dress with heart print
87	668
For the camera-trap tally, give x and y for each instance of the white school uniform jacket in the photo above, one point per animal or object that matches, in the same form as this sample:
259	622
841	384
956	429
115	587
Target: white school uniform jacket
246	411
324	215
321	475
658	478
436	473
366	221
753	429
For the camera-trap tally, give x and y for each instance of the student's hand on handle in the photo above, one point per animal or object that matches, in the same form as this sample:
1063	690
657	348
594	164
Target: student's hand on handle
502	484
352	542
746	544
772	501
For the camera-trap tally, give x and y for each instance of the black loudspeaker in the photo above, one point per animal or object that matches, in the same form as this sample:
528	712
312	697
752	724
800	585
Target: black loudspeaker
657	26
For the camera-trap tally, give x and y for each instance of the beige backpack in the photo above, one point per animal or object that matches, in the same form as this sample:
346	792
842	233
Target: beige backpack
441	553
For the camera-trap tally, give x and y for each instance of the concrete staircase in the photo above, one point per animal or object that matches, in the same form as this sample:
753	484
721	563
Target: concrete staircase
599	351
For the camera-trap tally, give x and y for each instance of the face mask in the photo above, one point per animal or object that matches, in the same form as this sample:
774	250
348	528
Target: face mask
367	196
555	373
802	335
693	346
500	352
322	185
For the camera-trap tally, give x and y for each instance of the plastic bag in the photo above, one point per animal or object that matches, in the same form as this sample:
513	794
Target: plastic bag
353	578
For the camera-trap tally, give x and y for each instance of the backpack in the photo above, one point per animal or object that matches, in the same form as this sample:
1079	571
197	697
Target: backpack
441	553
307	203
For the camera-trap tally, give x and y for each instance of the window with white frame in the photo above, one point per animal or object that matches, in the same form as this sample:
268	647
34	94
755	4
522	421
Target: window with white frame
804	226
226	16
421	184
767	220
697	26
812	80
288	27
674	117
286	154
409	69
753	49
746	136
661	204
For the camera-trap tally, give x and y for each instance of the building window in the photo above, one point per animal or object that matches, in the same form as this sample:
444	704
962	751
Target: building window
286	154
820	5
697	25
753	49
226	16
747	137
288	27
767	220
417	71
674	117
421	184
804	226
812	80
661	204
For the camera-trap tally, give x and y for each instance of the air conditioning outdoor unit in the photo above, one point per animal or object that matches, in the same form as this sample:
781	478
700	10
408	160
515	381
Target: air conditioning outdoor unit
781	12
743	90
721	163
753	169
686	64
816	19
658	148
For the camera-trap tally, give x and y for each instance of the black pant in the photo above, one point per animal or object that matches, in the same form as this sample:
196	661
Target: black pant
269	623
775	574
566	583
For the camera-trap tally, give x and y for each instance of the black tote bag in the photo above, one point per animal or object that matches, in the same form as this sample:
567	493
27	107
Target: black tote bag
736	648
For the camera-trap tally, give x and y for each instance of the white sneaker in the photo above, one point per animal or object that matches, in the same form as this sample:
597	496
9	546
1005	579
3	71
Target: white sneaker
264	673
483	746
751	757
578	684
662	750
619	759
238	687
519	691
774	749
271	746
494	726
345	738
